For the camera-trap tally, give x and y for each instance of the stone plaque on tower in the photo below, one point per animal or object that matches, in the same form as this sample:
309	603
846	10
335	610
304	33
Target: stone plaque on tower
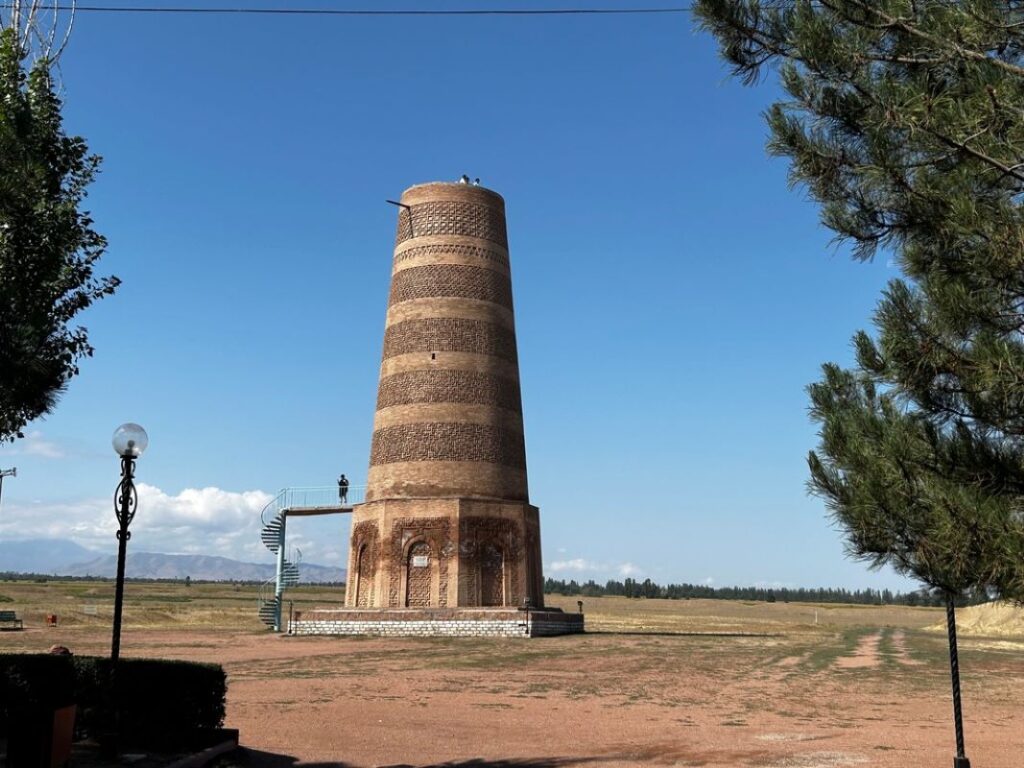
447	521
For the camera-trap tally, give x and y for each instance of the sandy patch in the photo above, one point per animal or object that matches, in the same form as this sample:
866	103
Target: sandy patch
793	661
998	619
822	760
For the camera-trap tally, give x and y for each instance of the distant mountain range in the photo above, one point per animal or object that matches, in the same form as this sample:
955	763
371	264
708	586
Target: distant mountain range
61	557
41	555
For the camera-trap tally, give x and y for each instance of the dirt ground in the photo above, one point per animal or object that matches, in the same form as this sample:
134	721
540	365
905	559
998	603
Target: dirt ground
769	688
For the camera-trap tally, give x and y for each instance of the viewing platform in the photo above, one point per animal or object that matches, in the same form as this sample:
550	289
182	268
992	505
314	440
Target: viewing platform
313	500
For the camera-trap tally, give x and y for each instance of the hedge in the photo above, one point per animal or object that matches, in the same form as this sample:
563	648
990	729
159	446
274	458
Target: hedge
160	703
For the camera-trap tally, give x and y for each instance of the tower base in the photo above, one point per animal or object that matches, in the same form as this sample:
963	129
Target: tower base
437	622
435	553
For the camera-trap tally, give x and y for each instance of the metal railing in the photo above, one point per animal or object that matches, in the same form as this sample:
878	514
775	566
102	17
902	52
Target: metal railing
311	497
320	496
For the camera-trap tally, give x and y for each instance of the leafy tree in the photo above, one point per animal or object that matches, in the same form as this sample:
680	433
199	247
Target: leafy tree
903	121
48	248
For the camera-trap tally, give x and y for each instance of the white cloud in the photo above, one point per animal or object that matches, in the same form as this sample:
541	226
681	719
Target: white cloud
34	444
594	569
206	508
578	565
208	521
708	581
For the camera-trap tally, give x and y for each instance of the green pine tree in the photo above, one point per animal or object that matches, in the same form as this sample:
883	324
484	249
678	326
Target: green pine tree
903	121
48	248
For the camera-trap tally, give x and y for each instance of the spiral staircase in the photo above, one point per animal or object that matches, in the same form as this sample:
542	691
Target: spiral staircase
289	502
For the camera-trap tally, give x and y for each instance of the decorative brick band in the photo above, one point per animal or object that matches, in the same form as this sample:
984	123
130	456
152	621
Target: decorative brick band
449	386
450	334
448	441
471	251
451	280
448	217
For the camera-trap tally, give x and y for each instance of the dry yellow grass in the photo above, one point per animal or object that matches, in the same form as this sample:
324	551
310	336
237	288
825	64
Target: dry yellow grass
150	605
156	605
618	614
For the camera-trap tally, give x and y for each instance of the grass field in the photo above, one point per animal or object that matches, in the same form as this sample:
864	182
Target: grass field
654	682
172	604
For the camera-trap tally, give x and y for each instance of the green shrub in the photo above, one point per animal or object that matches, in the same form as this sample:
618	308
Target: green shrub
160	703
35	681
6	599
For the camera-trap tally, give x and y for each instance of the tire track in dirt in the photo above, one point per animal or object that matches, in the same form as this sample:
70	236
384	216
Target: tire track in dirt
898	643
865	655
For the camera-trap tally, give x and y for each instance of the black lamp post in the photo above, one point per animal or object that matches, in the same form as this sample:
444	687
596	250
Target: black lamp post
130	440
960	761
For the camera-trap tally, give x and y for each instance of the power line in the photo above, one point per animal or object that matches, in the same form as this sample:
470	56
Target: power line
369	11
243	10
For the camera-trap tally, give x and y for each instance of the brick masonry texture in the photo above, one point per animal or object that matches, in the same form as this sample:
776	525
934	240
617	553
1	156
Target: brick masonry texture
418	591
451	280
446	479
446	441
471	251
449	386
366	546
478	538
429	536
450	334
448	217
446	523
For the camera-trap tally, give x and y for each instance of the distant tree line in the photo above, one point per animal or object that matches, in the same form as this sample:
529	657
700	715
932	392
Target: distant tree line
626	588
651	589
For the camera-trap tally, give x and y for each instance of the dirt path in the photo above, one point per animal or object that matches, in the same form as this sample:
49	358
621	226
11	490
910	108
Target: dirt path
601	700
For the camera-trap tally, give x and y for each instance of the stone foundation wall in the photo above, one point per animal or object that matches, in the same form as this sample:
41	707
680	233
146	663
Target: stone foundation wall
427	623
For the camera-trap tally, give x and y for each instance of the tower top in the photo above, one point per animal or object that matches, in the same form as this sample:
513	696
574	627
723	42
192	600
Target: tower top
449	190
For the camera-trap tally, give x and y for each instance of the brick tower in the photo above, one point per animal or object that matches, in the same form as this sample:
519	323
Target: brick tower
447	521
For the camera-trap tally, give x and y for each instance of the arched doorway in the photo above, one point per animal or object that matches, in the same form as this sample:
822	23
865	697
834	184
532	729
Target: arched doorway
492	575
417	583
364	578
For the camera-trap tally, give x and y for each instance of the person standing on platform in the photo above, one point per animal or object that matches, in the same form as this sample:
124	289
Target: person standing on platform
343	489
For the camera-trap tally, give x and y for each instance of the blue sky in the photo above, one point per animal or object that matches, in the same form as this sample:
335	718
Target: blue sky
673	296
